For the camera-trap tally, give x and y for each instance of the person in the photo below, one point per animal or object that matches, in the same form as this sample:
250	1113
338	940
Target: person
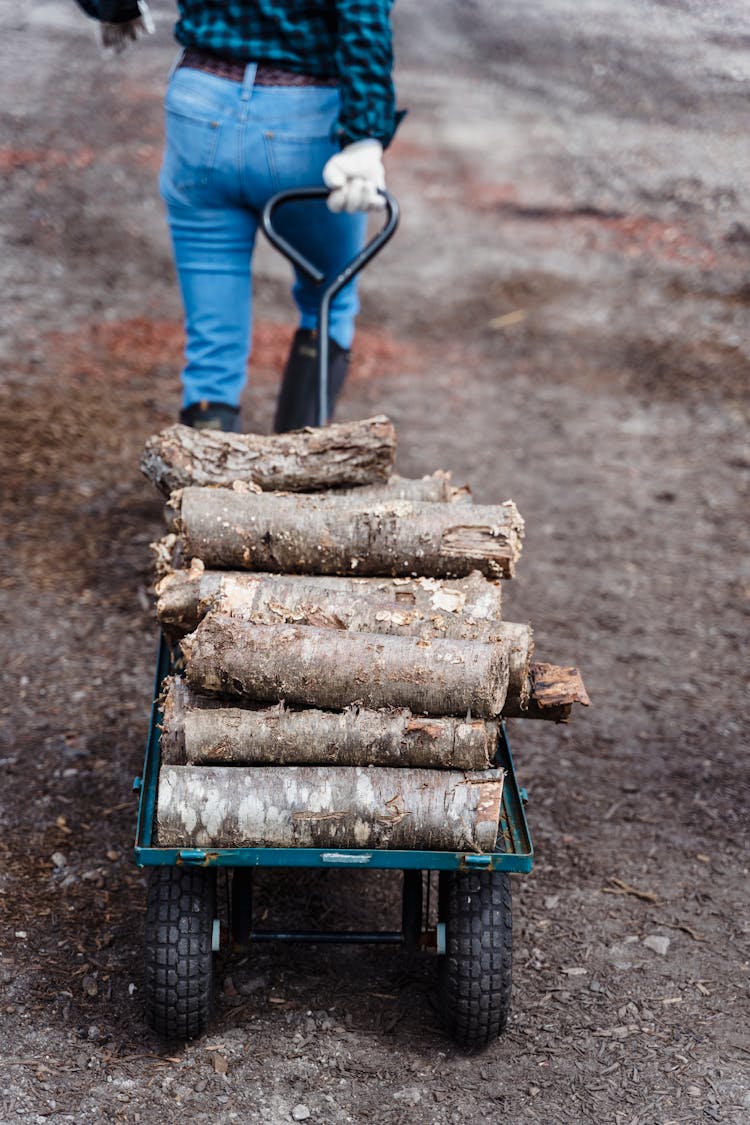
266	96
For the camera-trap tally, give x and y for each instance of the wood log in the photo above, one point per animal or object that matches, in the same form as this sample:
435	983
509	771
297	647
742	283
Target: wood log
183	595
434	489
332	669
328	807
200	730
342	454
313	535
275	602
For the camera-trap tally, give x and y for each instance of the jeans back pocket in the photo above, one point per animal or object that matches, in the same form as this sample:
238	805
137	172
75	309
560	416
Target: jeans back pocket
193	131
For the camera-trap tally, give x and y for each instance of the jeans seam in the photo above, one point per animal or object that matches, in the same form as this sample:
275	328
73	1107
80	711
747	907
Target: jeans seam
272	168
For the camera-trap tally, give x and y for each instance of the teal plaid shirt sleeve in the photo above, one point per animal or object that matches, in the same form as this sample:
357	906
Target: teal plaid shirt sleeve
345	39
364	60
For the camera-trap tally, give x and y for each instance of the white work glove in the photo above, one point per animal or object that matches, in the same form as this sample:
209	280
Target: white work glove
356	174
117	37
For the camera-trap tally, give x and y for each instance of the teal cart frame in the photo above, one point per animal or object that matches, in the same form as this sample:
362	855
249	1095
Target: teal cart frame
472	935
514	852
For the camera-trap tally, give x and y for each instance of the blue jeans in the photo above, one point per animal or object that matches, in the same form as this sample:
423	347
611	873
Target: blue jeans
230	146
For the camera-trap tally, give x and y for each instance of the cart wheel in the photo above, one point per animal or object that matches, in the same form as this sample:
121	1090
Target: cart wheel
180	912
475	971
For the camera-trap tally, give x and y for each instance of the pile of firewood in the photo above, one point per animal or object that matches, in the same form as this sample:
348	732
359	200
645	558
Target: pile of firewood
336	624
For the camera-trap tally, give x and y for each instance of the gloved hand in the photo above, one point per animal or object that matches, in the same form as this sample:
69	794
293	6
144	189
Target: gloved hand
117	37
355	174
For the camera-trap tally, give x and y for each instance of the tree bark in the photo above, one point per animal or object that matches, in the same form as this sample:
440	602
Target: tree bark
275	602
328	807
340	455
434	489
199	730
332	669
184	595
550	694
315	535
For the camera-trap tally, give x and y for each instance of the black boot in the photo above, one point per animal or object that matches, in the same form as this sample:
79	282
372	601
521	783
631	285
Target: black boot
212	416
298	397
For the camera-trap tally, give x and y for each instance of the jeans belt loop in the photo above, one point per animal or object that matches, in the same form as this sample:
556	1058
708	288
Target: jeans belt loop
176	64
249	81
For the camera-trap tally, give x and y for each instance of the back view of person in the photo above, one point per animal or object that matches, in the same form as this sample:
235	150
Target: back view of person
266	96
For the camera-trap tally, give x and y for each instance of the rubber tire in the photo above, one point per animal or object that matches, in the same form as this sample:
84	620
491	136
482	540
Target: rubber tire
179	970
475	973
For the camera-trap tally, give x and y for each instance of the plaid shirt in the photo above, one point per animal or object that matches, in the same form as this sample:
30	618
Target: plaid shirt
345	39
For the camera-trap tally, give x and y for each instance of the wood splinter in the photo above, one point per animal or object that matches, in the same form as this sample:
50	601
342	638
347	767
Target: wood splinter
552	691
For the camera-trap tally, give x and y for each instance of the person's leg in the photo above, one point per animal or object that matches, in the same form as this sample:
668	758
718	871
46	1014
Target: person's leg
297	404
213	250
331	242
212	233
331	245
298	125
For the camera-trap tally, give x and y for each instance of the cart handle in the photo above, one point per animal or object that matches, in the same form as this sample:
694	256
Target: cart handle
328	286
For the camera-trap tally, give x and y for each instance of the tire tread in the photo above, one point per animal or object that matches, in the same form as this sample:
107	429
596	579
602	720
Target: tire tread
476	970
178	955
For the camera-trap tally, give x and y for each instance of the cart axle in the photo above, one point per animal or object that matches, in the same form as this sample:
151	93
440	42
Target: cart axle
330	937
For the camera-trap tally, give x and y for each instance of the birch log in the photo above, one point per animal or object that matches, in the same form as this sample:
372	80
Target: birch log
274	602
311	535
199	730
183	595
434	489
332	669
342	454
328	807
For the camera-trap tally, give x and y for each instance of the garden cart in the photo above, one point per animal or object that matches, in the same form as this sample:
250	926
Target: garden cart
469	932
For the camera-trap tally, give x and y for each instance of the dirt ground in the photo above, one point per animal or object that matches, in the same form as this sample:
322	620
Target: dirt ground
564	318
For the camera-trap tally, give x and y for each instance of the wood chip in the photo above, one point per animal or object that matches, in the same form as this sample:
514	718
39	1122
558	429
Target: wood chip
220	1064
681	926
553	686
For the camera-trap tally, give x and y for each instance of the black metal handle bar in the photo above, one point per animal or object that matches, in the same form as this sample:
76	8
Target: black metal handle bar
328	286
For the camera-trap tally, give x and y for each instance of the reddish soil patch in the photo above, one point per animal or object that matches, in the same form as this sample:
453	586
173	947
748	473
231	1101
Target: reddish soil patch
116	352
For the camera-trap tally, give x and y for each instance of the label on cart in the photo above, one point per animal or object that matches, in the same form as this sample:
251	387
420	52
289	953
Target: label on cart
344	857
